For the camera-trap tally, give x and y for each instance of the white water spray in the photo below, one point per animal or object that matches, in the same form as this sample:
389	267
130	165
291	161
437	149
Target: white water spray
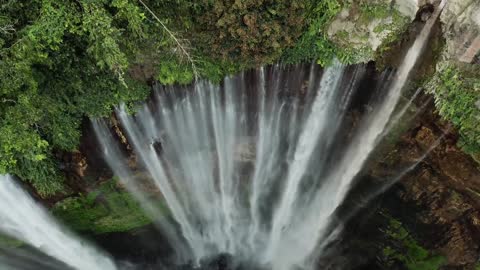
247	168
319	212
23	219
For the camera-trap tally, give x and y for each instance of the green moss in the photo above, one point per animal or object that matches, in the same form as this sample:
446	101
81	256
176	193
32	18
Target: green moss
9	242
432	263
405	249
395	29
350	55
67	60
215	71
399	128
343	34
117	212
172	71
355	47
248	34
370	10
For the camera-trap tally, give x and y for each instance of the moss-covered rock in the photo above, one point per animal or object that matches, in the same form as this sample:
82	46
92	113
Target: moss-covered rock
404	249
107	209
364	28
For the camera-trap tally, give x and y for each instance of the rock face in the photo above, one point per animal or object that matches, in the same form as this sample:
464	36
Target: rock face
408	7
364	26
461	19
443	192
368	27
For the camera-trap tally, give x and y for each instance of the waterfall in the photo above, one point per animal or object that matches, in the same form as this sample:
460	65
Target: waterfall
23	219
256	166
338	182
227	151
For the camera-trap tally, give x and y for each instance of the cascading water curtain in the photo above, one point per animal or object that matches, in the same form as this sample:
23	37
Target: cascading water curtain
245	168
231	159
255	167
25	220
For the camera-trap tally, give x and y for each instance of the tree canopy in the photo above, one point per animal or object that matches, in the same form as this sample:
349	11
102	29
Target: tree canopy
60	61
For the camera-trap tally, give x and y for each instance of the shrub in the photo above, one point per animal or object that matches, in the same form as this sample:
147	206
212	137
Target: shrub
457	93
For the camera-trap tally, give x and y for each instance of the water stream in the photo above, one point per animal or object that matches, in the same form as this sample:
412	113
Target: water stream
27	221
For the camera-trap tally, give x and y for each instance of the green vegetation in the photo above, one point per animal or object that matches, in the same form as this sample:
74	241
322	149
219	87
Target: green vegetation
353	38
370	10
314	44
65	60
62	61
395	29
406	250
8	242
457	93
108	209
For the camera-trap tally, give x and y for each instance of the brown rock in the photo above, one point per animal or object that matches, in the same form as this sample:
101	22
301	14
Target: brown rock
425	138
445	186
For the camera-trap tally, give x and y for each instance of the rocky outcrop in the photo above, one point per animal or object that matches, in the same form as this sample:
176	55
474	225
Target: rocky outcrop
461	19
369	27
364	26
442	193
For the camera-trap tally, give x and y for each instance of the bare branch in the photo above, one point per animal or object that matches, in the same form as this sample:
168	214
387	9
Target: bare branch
5	100
7	29
183	48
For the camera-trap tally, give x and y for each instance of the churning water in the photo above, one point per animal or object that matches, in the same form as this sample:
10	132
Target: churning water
254	168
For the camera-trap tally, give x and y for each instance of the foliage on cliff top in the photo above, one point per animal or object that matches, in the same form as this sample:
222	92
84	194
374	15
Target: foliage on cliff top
61	61
250	31
457	97
232	35
313	44
64	60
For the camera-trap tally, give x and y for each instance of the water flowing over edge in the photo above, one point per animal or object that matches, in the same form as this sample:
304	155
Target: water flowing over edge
213	207
218	211
23	219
